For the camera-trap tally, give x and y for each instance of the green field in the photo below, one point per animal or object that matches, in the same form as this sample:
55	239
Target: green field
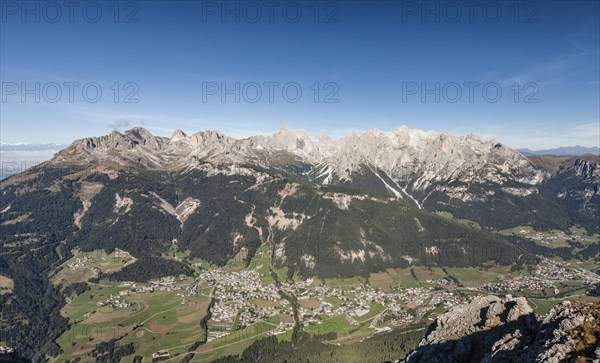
542	306
375	310
582	236
553	238
261	262
340	283
338	324
97	259
476	276
157	320
449	215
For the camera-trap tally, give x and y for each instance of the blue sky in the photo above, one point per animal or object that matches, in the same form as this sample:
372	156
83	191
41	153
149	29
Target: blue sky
374	58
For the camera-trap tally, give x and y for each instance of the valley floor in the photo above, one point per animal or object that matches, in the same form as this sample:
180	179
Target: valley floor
217	312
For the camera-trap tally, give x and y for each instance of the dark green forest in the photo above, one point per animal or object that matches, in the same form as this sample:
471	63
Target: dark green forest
384	347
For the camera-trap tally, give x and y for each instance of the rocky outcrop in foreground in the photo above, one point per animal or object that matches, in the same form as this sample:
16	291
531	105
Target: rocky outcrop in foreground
493	329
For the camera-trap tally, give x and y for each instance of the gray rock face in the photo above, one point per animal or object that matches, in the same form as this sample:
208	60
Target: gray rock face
416	159
492	329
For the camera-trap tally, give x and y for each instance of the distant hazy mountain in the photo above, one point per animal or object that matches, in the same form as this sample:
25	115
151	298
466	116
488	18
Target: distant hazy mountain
562	151
23	146
18	157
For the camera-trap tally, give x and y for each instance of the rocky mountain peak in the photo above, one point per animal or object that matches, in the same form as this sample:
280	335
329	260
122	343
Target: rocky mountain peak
287	138
208	138
586	168
140	132
178	135
473	137
141	136
419	158
494	329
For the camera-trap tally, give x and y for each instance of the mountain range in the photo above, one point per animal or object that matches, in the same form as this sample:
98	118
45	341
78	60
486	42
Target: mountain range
324	207
425	170
24	146
562	151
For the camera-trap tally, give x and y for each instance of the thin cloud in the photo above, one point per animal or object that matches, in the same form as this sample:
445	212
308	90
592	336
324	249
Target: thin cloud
545	74
118	124
586	130
557	70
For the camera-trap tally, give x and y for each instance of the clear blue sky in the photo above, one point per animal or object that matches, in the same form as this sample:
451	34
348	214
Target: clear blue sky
371	53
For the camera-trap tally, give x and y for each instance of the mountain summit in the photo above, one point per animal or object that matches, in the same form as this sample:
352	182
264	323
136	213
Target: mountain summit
422	157
424	169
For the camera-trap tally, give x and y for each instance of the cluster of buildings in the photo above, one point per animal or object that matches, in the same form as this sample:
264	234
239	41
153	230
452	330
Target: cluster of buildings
547	238
448	299
164	284
281	328
558	270
116	301
519	283
161	354
79	262
547	273
238	295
